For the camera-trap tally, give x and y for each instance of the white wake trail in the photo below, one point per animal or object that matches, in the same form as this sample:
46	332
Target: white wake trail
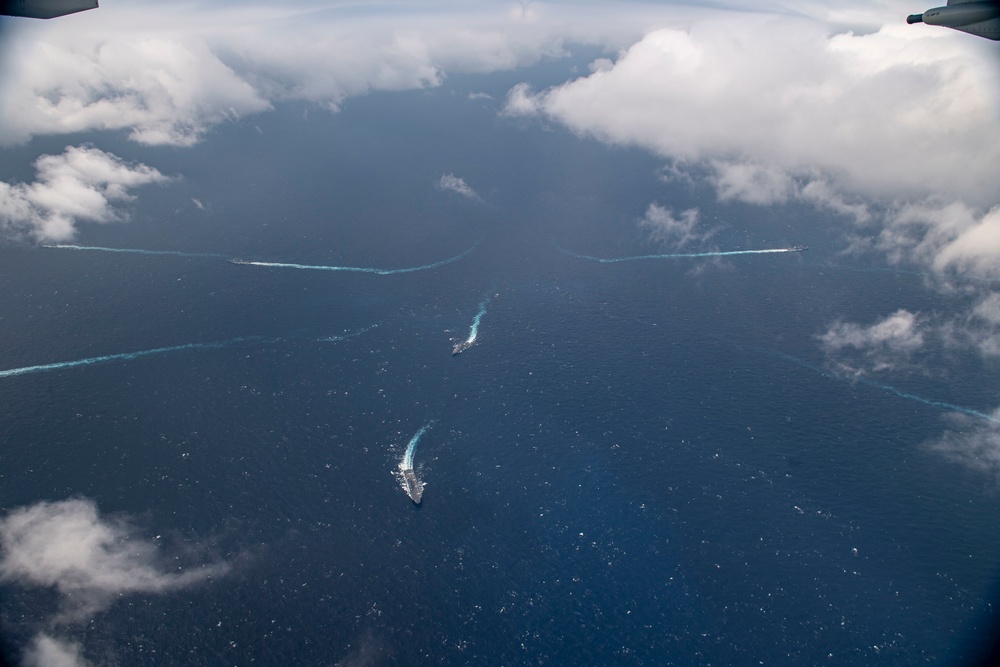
413	486
464	345
682	255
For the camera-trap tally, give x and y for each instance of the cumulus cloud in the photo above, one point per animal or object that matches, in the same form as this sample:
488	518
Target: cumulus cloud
950	238
893	342
846	108
975	248
978	329
48	651
889	345
521	101
820	105
765	185
973	442
82	184
753	183
673	231
181	90
772	103
88	559
453	183
960	246
165	73
885	345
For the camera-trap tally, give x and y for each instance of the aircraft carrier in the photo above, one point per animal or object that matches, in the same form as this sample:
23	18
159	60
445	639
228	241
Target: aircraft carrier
413	486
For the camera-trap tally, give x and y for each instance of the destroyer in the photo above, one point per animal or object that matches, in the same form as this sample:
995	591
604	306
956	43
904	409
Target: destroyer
461	347
413	486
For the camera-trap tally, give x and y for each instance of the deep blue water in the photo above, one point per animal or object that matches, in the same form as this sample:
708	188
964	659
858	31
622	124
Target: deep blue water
636	463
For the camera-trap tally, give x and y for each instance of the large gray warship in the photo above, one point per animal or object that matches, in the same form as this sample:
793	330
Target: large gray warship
413	486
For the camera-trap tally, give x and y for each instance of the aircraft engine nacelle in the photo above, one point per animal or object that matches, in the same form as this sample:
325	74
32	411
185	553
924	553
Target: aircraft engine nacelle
44	9
977	18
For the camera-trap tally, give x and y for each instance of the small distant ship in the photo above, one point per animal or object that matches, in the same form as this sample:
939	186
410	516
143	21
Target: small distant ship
799	248
240	261
461	347
413	486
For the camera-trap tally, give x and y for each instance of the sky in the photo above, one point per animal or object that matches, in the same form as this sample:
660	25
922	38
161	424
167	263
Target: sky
839	106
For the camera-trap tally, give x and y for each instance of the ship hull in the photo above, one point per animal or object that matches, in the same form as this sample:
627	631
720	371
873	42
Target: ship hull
413	486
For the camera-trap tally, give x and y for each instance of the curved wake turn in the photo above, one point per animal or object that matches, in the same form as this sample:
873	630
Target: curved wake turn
414	488
127	356
273	265
721	253
355	269
464	345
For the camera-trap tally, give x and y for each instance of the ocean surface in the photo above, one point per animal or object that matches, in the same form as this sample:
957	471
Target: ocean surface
643	462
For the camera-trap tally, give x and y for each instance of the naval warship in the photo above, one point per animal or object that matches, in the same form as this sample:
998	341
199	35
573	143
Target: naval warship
413	486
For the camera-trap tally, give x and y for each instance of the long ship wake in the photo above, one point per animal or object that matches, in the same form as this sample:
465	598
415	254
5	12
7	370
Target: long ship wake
355	269
133	251
273	265
414	488
680	255
941	405
464	345
128	356
347	334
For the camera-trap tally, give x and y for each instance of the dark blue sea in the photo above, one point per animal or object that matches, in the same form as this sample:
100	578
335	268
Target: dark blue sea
636	463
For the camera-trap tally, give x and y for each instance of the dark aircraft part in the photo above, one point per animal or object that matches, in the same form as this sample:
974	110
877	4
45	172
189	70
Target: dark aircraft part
976	18
967	13
44	9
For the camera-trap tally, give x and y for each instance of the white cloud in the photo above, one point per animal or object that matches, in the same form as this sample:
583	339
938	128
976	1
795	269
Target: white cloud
766	100
82	184
88	559
847	108
162	90
892	343
978	329
48	651
167	72
975	248
959	243
988	309
898	331
453	183
889	346
520	101
752	183
769	99
673	231
885	345
766	185
973	442
822	195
